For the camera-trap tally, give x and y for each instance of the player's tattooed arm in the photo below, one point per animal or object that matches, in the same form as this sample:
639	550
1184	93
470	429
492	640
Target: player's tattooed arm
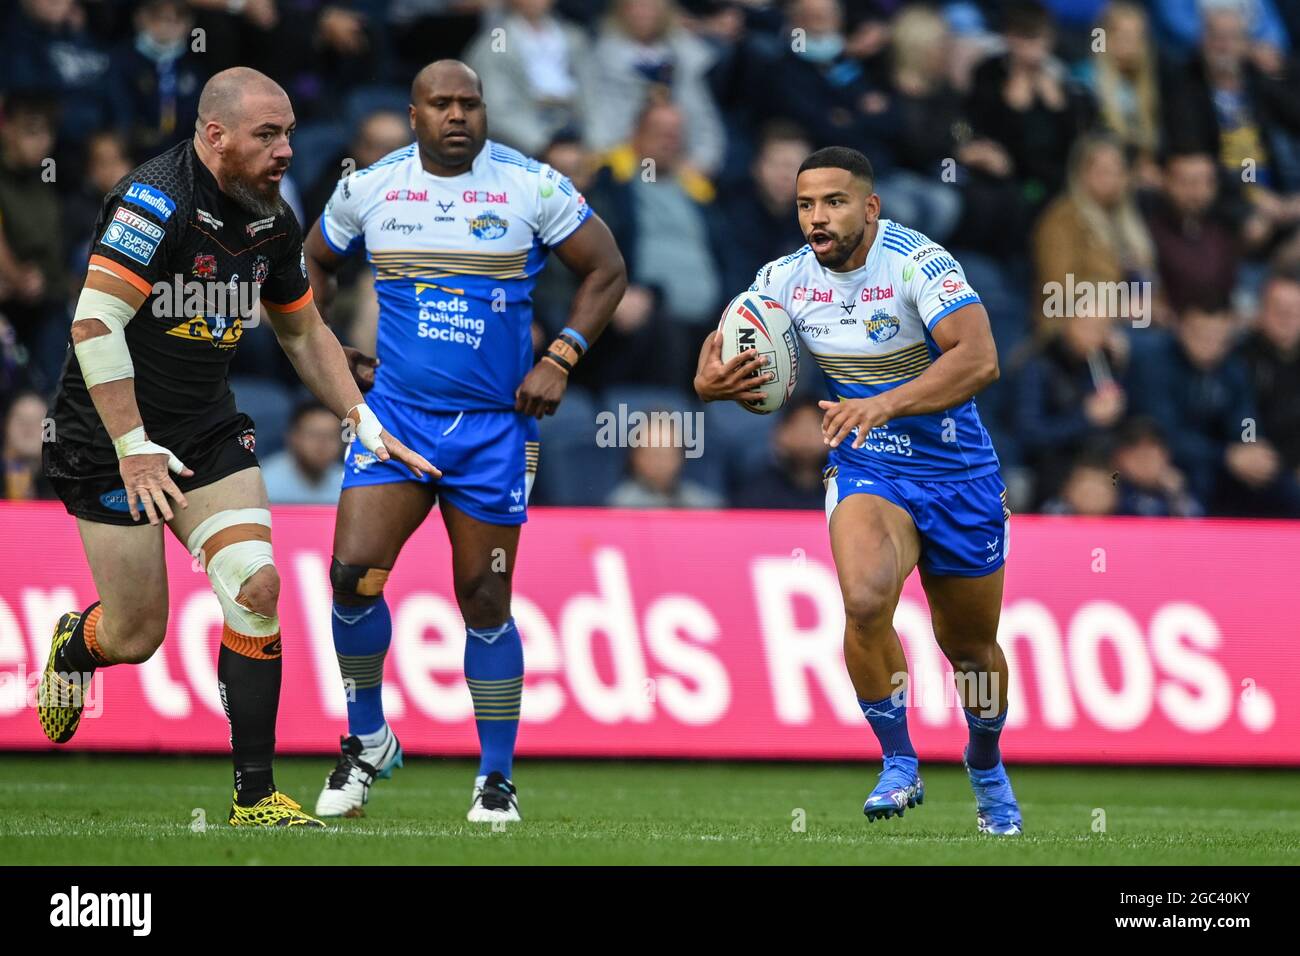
318	358
591	253
968	363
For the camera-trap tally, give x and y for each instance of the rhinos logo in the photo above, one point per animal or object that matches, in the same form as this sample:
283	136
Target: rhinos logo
487	225
882	326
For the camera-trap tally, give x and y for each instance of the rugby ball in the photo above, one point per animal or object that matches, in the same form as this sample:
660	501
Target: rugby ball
756	321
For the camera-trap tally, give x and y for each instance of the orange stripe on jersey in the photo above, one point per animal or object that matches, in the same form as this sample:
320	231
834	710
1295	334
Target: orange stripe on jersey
122	272
298	303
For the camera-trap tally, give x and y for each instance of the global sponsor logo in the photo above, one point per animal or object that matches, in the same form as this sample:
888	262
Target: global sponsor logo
406	195
484	196
147	197
876	293
882	326
487	225
809	293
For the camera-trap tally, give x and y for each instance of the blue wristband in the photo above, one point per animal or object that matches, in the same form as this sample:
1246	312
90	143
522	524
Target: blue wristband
577	335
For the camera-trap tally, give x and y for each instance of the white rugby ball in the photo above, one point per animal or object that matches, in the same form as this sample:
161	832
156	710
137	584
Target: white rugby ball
756	321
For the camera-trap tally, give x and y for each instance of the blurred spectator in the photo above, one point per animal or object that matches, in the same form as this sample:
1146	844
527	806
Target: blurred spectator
1272	354
537	75
45	47
1182	23
319	50
660	212
655	473
310	468
934	134
1069	396
24	432
162	76
641	46
1026	102
793	477
1089	489
556	285
428	30
1092	233
1223	103
761	221
377	135
1149	484
1200	394
1195	242
1125	81
33	277
107	161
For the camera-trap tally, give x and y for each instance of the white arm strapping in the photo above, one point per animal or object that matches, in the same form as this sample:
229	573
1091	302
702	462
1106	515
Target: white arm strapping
104	358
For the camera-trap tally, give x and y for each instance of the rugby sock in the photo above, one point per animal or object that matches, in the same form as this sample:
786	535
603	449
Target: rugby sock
888	718
362	633
494	670
983	753
81	654
248	674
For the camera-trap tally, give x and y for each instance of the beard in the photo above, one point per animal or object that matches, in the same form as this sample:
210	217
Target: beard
841	250
252	196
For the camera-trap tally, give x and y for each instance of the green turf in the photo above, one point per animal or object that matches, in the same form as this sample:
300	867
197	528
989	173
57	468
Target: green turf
82	809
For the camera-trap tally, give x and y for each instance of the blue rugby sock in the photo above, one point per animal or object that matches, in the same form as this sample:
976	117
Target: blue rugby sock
362	634
982	752
494	670
888	719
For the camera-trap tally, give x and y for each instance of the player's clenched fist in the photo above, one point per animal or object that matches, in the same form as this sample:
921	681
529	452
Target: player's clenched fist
541	390
717	381
847	414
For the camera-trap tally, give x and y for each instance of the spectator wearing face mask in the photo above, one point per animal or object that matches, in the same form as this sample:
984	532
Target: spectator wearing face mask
161	76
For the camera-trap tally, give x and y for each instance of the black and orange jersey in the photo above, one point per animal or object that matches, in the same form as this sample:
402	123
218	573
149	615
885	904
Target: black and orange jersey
167	223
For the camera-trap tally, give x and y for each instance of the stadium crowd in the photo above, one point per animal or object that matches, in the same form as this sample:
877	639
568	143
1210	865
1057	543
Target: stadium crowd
1068	145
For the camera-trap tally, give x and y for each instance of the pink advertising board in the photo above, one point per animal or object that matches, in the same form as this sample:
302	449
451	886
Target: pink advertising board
718	635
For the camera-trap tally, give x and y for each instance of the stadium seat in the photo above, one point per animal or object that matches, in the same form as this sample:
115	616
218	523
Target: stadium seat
314	145
269	404
573	469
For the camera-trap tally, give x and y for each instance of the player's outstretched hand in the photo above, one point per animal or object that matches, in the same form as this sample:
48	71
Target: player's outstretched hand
843	416
148	484
541	390
716	381
390	447
362	367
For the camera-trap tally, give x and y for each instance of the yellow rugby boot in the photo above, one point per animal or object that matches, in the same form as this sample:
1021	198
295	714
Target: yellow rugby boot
60	698
277	810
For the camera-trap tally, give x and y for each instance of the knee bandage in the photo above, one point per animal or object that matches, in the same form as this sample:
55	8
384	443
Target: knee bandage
232	560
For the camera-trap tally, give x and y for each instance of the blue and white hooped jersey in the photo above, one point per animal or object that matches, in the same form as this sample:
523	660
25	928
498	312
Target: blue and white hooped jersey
869	331
454	259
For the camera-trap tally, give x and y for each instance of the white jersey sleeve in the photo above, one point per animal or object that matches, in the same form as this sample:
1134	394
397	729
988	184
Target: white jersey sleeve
561	209
935	285
341	223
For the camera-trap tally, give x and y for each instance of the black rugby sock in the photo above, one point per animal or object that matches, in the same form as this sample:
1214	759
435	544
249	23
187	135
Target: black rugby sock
249	671
75	657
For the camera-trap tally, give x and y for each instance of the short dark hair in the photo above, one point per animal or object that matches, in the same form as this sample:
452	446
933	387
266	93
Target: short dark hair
1137	430
304	408
1026	18
841	157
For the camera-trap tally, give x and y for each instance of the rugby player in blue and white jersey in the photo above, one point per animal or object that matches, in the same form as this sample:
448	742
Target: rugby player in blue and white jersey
456	228
904	344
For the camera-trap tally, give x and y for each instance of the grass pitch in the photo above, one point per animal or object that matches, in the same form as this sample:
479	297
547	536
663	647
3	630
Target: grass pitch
80	809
